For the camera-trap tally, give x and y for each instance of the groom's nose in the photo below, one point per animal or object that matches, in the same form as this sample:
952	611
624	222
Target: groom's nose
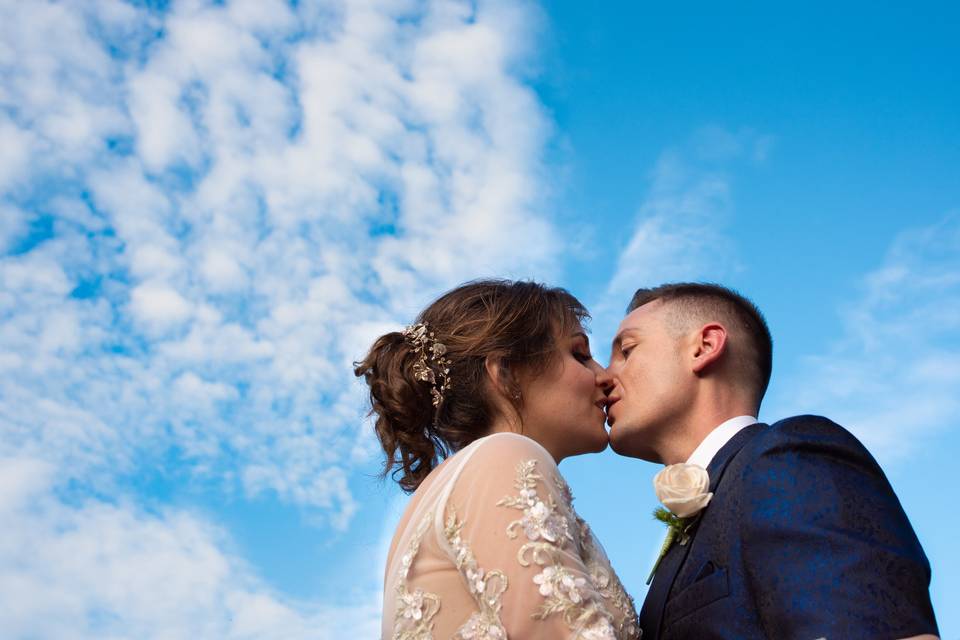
610	369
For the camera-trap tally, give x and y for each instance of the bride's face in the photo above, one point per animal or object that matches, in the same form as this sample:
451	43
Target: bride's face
563	406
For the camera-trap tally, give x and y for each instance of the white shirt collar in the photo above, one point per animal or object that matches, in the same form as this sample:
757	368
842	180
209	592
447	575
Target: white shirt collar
715	440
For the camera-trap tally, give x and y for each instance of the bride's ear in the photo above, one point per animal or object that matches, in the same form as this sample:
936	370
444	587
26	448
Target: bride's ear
496	370
504	391
501	379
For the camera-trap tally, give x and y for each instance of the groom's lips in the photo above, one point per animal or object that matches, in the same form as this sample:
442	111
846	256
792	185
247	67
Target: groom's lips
610	403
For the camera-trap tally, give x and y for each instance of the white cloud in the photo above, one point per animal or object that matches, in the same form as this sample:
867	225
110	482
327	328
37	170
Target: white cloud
158	306
194	387
14	152
98	569
232	229
222	272
244	194
892	379
56	82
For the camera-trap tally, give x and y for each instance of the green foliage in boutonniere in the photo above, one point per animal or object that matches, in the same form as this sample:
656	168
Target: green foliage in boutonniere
678	530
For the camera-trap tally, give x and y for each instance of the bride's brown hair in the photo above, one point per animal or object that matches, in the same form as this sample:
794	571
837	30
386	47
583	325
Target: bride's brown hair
515	323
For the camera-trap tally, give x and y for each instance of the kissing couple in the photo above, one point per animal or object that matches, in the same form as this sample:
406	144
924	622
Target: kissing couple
788	530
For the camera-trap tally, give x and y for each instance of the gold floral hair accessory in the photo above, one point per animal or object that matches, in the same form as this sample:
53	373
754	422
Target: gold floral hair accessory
432	366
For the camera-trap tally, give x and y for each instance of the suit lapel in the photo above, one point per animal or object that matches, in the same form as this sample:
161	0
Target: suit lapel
651	615
653	605
720	461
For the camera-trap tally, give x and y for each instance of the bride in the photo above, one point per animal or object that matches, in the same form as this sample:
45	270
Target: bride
495	379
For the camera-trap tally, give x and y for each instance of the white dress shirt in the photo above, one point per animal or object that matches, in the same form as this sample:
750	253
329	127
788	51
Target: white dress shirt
715	440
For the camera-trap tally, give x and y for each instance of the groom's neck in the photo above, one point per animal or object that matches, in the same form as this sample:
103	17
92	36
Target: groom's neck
705	415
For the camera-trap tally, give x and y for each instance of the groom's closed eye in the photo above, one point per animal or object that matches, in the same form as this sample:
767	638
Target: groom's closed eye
625	343
622	349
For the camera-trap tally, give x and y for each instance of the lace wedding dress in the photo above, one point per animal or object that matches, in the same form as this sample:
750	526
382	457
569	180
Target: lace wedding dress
491	548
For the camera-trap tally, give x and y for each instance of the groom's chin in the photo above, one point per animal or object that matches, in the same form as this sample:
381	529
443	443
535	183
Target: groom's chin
627	443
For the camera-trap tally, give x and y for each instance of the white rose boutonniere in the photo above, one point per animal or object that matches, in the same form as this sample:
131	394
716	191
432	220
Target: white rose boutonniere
682	488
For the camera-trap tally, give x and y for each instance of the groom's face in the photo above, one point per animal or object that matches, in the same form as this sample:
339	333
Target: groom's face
651	385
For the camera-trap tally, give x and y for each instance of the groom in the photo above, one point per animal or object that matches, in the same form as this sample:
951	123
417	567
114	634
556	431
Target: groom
804	537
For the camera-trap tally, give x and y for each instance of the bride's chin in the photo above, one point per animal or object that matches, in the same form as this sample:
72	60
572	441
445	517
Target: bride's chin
603	439
596	442
596	446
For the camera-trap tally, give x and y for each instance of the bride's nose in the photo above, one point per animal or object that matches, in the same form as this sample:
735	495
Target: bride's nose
604	380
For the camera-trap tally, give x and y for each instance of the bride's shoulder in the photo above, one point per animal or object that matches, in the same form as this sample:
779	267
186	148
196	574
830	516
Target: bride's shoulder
506	450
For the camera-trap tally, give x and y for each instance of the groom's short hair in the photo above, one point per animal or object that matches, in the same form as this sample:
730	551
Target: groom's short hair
690	302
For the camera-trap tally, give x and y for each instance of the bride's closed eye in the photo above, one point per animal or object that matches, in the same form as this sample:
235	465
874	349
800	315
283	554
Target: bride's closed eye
583	357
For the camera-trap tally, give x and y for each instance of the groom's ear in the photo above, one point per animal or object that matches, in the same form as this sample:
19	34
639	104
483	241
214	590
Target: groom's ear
709	343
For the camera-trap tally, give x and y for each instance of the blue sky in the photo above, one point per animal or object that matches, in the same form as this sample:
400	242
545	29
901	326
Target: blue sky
208	210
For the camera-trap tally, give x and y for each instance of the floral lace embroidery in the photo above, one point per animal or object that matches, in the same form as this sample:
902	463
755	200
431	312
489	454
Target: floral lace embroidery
548	530
415	609
602	576
601	629
541	520
564	489
607	584
486	588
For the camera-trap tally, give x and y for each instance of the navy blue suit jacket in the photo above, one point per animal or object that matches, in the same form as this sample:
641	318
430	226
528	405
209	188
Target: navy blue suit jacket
804	538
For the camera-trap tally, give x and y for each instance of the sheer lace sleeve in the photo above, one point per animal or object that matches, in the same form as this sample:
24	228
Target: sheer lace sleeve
529	562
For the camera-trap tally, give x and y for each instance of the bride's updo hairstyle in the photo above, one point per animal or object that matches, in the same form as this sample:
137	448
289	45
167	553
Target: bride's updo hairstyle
430	401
